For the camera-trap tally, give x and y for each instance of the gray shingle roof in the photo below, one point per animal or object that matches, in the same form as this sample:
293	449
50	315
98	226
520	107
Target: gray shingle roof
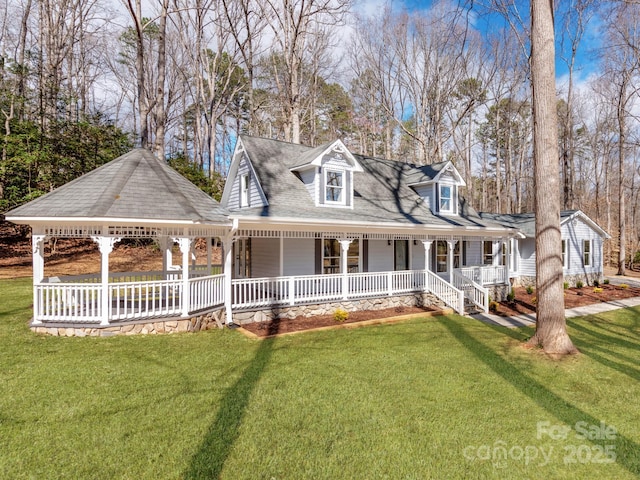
381	191
525	222
135	185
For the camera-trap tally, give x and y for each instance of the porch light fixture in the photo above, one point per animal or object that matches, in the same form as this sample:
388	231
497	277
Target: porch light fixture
389	242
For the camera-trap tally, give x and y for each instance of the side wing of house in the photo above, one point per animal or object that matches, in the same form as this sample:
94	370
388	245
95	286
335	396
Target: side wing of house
582	247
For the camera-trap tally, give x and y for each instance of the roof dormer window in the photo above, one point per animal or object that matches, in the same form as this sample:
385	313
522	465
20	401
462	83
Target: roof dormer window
244	190
447	195
334	186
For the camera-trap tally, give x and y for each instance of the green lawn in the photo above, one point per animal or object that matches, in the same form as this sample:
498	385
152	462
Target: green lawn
437	398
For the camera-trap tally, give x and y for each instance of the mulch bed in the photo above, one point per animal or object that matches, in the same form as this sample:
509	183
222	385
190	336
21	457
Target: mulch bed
298	324
524	302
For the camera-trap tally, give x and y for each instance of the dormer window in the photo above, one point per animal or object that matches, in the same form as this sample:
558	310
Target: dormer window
244	190
446	199
334	186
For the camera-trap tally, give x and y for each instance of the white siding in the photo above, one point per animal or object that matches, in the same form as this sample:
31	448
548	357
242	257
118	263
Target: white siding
299	256
574	235
474	253
417	255
527	259
265	257
255	199
380	256
427	194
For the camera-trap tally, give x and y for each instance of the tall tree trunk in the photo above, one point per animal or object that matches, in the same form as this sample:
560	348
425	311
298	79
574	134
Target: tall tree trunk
551	331
622	139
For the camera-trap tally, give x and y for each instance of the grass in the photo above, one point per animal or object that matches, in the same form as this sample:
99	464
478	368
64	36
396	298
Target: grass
438	398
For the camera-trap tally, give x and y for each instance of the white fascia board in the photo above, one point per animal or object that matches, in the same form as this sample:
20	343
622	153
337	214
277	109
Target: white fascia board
583	216
109	221
322	225
317	162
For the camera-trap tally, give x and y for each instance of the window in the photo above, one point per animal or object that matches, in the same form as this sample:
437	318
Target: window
334	186
441	256
244	190
456	255
487	252
446	200
564	253
505	252
586	252
331	256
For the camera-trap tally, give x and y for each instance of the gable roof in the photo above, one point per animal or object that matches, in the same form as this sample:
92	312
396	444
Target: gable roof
134	186
431	173
526	222
381	192
313	157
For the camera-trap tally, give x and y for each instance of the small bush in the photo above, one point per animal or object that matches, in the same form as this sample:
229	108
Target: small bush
511	296
606	281
596	283
565	285
529	289
534	300
597	290
579	284
493	306
624	286
340	315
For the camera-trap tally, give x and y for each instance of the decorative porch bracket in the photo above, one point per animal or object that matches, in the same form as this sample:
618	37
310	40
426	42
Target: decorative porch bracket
344	266
105	244
37	245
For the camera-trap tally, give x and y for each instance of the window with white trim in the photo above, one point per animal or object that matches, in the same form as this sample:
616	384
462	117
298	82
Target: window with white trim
331	256
334	186
487	252
586	253
441	256
244	190
446	198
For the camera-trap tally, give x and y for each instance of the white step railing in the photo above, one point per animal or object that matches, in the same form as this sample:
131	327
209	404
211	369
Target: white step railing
444	291
486	274
476	293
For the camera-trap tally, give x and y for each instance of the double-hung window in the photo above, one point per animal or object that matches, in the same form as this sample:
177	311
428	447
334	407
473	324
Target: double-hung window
331	256
446	198
586	253
487	252
334	186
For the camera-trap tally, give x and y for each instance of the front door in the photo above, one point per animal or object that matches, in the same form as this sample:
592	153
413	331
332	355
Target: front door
242	258
401	255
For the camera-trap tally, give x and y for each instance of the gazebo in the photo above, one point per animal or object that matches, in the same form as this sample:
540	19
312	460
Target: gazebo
134	196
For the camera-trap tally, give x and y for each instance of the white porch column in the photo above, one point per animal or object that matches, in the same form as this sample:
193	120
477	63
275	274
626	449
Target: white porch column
185	249
427	253
165	247
37	246
344	265
105	245
209	246
450	246
507	259
227	250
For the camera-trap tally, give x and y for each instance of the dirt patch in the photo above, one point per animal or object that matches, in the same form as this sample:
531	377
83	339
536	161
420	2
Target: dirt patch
78	256
525	303
298	324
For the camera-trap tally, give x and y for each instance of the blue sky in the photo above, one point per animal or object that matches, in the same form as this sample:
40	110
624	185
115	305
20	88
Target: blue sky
586	61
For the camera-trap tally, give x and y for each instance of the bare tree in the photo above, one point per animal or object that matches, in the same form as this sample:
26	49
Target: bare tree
551	332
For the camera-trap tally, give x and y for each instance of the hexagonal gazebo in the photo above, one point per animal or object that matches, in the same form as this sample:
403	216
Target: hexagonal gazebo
134	196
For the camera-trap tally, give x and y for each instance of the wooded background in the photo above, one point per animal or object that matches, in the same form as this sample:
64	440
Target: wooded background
83	81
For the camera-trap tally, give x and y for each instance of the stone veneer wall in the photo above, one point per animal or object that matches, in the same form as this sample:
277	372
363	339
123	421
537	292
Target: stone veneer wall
267	314
585	278
205	321
498	293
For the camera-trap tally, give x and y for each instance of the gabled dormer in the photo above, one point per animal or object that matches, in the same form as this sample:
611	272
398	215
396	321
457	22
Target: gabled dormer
328	174
243	189
438	186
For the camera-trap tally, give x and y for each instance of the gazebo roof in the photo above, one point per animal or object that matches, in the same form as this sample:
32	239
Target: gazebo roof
134	186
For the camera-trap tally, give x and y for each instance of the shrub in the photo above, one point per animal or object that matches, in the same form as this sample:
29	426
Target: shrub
493	306
606	281
579	284
596	283
529	289
340	315
534	300
565	285
624	286
511	296
597	290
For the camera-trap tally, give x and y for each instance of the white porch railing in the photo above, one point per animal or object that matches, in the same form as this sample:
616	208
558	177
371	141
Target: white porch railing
122	277
476	293
264	292
486	274
82	302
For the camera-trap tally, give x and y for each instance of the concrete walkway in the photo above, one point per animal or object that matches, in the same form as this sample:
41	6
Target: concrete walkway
530	319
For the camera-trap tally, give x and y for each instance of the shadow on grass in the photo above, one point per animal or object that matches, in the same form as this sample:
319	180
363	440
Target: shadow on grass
609	337
626	449
212	454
